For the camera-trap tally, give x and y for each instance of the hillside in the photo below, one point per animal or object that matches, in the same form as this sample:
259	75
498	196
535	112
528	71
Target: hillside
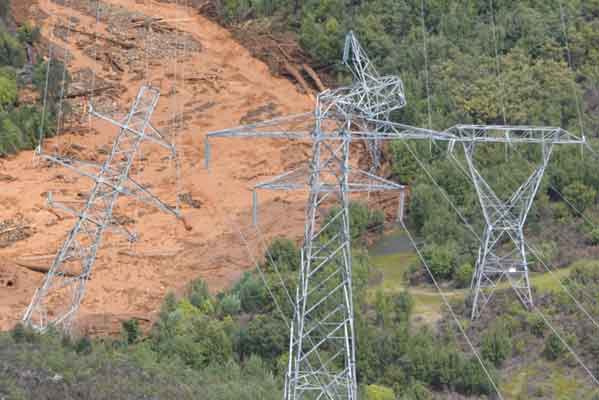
206	312
218	85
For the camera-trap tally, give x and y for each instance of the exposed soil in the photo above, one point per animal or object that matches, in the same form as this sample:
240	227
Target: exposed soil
211	85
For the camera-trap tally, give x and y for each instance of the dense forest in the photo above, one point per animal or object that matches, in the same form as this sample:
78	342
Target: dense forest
519	62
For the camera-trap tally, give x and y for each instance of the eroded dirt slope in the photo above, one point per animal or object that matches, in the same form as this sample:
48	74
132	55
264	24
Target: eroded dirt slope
208	81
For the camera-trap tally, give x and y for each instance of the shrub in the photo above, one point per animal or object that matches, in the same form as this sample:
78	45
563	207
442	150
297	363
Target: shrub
376	392
463	275
594	237
58	80
199	296
253	295
8	90
28	34
12	53
230	305
130	331
441	260
554	347
361	220
284	253
496	345
580	195
404	304
83	345
536	325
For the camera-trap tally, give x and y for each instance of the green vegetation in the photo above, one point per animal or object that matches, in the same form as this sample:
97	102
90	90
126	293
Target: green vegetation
467	44
21	124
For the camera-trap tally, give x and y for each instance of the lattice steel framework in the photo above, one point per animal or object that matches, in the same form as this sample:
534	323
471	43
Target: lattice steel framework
322	340
64	286
502	254
371	96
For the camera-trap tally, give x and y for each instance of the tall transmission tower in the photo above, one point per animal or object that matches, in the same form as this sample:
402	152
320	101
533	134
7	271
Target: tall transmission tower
322	339
372	96
56	302
503	250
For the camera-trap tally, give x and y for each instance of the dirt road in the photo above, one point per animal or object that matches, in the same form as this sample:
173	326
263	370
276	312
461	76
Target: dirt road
214	86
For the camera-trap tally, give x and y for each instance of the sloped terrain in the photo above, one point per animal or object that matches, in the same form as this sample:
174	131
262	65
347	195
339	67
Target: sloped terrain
208	82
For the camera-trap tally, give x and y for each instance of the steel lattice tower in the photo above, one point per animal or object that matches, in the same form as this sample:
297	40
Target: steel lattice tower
322	339
64	286
503	250
372	96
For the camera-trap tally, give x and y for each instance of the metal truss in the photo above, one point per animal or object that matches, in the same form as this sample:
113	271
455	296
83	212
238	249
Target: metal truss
322	340
56	302
502	254
370	97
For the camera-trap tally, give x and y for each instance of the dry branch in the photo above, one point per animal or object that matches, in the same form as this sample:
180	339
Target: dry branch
89	92
298	77
43	269
314	77
100	36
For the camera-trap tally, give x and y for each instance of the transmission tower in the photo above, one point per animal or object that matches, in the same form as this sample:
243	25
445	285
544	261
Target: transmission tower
371	96
56	302
322	340
503	250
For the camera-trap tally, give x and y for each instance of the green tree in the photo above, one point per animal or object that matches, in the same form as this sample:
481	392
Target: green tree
441	259
8	92
580	196
12	53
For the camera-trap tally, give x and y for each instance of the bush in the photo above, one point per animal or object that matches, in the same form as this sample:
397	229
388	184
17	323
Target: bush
554	347
130	331
376	392
11	140
253	295
83	345
28	34
594	236
404	305
8	90
12	53
199	296
580	195
230	304
536	325
284	253
361	221
58	80
441	260
496	345
463	275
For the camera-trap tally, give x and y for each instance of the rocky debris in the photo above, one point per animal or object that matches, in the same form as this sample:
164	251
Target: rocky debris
186	198
8	278
263	113
7	178
13	230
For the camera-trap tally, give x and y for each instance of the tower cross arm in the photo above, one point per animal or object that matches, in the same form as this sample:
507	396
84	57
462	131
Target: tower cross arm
514	134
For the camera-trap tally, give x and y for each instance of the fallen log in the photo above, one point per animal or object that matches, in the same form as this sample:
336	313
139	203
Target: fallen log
14	228
298	77
314	77
43	269
89	92
100	36
114	63
148	254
